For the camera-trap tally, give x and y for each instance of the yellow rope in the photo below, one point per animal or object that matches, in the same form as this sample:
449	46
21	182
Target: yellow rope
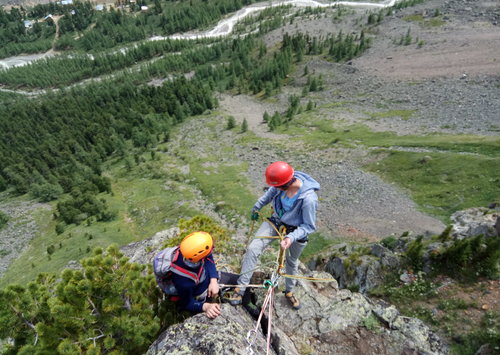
307	278
281	257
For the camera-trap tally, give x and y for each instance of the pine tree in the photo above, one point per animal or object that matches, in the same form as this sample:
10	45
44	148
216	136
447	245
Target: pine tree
244	126
108	306
231	123
265	117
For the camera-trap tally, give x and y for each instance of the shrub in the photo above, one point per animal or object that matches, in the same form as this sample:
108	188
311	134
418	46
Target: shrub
371	323
108	307
446	234
46	192
244	126
414	254
231	123
59	228
419	289
3	219
206	224
469	258
389	242
51	249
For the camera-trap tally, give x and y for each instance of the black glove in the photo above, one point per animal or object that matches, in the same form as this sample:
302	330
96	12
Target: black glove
255	215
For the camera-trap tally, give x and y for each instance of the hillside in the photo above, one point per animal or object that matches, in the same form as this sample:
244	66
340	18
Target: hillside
113	136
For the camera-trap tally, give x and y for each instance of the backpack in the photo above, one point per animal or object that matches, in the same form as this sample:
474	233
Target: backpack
164	266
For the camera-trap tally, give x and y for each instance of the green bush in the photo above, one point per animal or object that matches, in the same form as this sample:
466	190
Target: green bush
446	234
420	289
206	224
108	307
469	258
389	242
46	192
3	219
231	123
414	254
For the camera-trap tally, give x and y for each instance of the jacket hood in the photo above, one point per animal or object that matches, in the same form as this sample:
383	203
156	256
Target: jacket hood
308	184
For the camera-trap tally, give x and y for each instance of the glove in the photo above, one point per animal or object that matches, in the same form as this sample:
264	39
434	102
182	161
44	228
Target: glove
255	215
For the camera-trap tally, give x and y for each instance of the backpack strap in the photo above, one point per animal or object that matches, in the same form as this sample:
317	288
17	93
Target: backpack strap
186	273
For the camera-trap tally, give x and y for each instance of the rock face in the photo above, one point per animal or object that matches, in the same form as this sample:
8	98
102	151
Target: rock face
329	322
199	335
474	221
360	268
143	252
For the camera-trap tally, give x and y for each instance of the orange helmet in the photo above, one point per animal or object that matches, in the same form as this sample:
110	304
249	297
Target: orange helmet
196	246
279	173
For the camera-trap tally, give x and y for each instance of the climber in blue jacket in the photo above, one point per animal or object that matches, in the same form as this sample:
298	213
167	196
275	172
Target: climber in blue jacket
195	276
294	201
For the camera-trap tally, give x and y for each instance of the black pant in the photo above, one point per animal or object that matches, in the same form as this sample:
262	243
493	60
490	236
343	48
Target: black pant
227	278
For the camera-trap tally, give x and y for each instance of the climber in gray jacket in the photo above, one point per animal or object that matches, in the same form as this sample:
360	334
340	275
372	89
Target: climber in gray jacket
294	201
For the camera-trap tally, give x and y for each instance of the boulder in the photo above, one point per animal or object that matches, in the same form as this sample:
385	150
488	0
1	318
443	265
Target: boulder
143	252
474	221
199	335
366	275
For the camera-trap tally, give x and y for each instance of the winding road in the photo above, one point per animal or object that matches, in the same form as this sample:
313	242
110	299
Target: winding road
223	28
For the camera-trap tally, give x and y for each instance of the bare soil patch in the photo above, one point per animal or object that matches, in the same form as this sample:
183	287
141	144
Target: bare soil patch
243	107
454	49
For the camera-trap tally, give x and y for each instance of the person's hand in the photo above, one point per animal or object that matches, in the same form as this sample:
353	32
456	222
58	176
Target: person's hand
285	243
213	288
255	215
212	310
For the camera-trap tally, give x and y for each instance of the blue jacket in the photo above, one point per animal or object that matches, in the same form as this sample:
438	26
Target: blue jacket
187	289
303	212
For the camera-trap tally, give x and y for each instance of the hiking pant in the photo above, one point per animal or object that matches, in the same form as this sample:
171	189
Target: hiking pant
256	248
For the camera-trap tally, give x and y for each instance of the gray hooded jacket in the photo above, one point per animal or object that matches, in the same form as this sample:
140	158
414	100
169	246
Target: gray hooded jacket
303	212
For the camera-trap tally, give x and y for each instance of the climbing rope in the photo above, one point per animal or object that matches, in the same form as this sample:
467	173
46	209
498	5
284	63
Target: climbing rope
252	333
271	284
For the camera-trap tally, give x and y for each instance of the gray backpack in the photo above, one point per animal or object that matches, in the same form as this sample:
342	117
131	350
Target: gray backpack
164	265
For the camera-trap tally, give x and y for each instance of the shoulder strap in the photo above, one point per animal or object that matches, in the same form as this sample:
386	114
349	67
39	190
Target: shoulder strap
196	277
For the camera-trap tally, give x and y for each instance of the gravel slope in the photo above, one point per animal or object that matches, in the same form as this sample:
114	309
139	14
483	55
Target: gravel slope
353	203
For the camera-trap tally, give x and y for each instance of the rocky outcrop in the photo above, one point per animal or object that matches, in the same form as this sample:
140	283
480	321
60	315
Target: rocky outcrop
199	335
475	221
360	268
363	268
143	252
331	321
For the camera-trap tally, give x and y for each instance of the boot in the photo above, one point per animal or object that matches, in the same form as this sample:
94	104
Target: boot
294	302
235	298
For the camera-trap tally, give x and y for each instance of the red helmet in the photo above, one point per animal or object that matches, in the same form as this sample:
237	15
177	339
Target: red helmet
279	173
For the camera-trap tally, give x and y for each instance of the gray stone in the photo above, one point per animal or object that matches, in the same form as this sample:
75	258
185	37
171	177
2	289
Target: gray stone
335	267
379	250
474	221
226	334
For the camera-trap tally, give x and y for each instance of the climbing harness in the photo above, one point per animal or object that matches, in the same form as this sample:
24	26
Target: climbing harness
270	285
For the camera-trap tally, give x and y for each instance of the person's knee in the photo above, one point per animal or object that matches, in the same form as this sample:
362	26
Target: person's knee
255	248
292	263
